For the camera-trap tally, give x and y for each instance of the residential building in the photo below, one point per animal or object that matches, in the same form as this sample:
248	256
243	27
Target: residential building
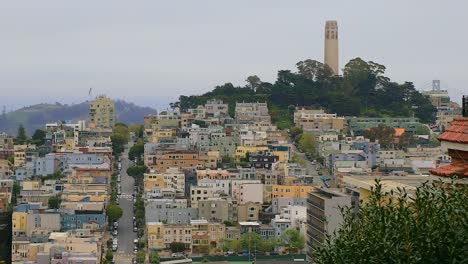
169	212
358	124
171	179
455	140
249	212
324	215
183	160
250	192
200	193
217	210
102	112
291	191
216	108
316	120
251	112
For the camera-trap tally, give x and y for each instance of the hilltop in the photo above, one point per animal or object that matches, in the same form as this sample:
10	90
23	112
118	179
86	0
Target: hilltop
362	90
35	116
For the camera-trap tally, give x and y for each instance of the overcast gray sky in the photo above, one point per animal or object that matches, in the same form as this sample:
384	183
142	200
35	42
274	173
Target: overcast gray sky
150	52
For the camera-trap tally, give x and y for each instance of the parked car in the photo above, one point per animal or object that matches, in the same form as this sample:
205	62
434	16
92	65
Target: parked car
178	255
135	229
115	233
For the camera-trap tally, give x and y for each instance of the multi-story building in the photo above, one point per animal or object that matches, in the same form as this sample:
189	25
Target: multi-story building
200	193
206	235
86	174
263	160
324	215
102	112
183	160
6	171
316	120
217	210
171	179
170	211
358	124
216	108
251	113
249	192
209	174
222	187
291	191
249	212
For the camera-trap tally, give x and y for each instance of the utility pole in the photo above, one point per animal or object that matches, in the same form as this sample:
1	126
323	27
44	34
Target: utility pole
249	247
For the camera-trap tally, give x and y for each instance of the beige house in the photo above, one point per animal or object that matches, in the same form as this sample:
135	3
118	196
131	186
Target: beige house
249	212
102	112
316	120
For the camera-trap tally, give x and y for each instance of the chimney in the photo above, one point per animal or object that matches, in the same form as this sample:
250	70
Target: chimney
465	106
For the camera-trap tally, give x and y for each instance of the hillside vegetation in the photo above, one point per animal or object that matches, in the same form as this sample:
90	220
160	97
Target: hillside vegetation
362	90
36	116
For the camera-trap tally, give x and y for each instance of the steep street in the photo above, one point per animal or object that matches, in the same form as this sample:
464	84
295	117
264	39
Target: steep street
126	234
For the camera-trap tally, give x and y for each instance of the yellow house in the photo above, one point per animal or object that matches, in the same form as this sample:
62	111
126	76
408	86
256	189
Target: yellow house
173	178
241	151
19	222
155	234
161	134
282	155
31	185
291	191
178	233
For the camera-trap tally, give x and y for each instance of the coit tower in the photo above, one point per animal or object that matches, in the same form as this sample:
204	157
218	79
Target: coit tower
331	45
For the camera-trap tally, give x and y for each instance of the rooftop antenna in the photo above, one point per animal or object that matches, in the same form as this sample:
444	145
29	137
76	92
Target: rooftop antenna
435	85
90	93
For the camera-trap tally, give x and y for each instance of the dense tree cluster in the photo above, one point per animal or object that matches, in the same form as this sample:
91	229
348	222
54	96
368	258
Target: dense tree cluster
427	226
363	90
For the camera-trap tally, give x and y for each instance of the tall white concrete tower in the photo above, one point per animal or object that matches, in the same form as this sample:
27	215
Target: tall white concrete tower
331	45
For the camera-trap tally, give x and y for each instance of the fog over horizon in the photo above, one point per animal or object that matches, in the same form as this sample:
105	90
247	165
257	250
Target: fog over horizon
150	52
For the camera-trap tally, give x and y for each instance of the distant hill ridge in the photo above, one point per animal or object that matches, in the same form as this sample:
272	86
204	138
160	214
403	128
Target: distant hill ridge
36	116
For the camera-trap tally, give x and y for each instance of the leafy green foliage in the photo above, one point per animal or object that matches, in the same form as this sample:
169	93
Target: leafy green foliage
136	151
54	202
15	192
429	226
229	223
363	90
250	239
38	137
308	143
21	137
137	129
423	130
140	258
113	212
54	176
267	245
118	142
177	247
109	256
382	133
136	171
154	257
292	238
